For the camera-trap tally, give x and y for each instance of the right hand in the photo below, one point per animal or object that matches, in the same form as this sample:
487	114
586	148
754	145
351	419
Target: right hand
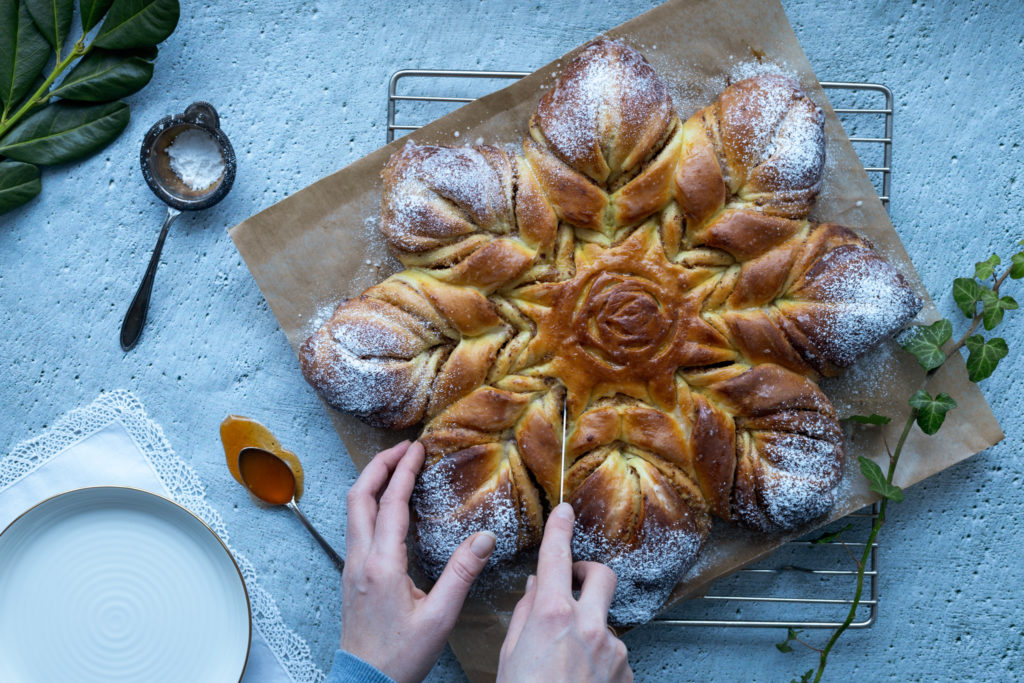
553	636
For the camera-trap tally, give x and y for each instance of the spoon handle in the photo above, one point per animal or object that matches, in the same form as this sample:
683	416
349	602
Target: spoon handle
135	318
331	552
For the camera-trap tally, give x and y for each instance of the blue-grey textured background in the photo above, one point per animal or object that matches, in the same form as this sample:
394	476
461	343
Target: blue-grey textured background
300	87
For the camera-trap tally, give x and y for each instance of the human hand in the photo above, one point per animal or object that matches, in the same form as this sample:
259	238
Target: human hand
553	636
386	620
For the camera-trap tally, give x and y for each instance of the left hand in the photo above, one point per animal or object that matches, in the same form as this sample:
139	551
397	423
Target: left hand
386	620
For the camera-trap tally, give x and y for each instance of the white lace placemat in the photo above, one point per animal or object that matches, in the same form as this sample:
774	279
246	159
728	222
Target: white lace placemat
113	442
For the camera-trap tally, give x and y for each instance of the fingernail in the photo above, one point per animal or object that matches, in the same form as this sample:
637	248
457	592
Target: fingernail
529	582
483	544
563	511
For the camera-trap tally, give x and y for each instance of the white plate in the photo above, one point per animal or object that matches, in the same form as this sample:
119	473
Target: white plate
117	584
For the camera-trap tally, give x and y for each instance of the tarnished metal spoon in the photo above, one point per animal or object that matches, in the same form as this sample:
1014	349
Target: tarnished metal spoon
177	195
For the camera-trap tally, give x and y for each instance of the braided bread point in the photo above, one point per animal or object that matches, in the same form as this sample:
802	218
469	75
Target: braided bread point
404	349
760	147
655	281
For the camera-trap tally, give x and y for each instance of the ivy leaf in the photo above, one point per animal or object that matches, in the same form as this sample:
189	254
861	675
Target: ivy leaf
966	292
872	419
1017	267
137	23
53	17
103	76
984	356
18	183
64	131
925	343
784	646
993	307
984	269
92	11
876	479
828	538
805	678
23	52
931	412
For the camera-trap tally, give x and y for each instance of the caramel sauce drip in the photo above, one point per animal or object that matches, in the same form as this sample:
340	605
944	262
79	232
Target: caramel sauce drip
237	432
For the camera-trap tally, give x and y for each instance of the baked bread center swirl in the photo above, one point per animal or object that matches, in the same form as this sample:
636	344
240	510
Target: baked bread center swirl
657	278
624	324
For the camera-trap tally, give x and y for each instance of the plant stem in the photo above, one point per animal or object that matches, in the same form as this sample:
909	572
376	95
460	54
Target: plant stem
893	459
79	50
879	521
977	318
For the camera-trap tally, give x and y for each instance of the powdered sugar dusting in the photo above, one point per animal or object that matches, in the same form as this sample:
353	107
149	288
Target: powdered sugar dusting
863	300
647	574
444	521
606	86
442	189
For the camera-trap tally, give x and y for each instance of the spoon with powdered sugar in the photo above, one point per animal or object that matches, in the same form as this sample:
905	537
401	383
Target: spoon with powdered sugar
189	164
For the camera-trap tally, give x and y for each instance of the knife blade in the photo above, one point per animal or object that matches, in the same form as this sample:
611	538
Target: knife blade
561	479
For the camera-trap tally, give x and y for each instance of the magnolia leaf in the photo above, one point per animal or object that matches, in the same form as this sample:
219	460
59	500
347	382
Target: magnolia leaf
992	309
829	537
876	478
23	53
984	356
984	269
931	412
966	292
103	76
92	11
53	17
137	23
64	131
925	342
872	419
19	183
1017	267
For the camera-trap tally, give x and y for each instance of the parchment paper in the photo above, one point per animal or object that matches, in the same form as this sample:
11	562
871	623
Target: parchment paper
320	245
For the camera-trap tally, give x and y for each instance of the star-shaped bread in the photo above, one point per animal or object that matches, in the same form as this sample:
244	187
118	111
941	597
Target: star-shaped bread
657	278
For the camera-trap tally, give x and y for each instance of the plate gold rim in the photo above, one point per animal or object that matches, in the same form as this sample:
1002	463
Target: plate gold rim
134	489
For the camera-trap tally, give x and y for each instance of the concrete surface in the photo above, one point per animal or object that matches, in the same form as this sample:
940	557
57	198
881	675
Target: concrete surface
301	91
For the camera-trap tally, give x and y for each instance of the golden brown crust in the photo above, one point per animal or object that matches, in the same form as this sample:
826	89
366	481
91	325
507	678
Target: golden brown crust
656	278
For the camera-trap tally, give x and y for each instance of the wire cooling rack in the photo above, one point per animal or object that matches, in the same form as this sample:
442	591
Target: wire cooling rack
804	584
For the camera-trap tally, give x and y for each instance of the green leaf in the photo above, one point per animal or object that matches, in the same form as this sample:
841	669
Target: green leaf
136	23
784	646
1017	267
829	537
993	307
92	11
18	183
984	269
984	356
23	52
966	292
931	412
872	419
876	478
103	76
53	17
805	678
64	132
925	343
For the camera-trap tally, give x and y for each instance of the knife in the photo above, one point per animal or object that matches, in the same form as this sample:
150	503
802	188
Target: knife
561	480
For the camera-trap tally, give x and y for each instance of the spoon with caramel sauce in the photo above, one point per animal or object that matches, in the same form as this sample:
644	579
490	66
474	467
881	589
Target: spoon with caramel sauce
270	479
273	475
